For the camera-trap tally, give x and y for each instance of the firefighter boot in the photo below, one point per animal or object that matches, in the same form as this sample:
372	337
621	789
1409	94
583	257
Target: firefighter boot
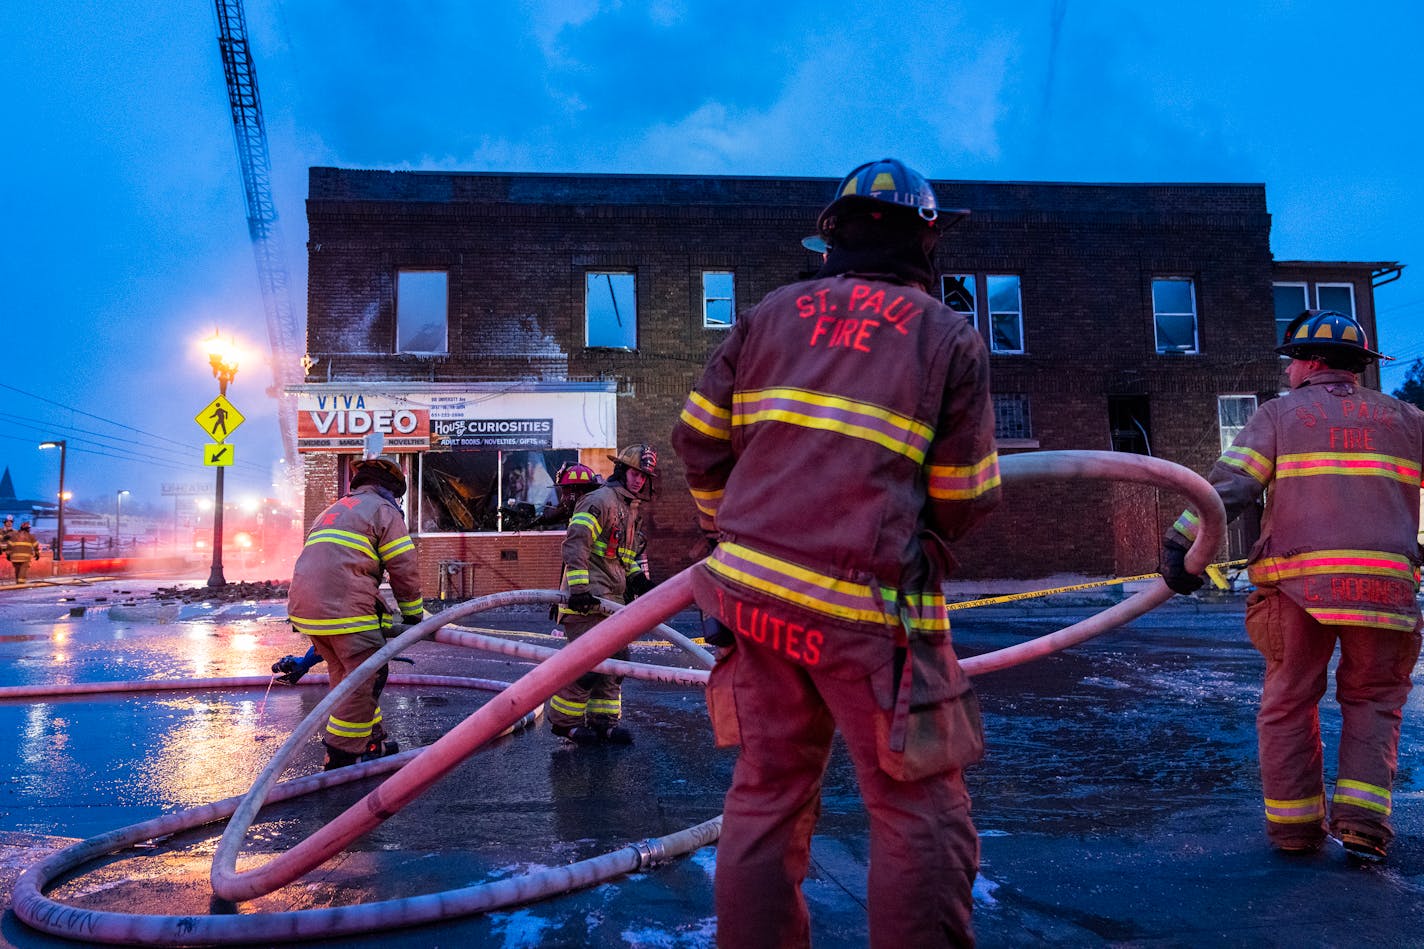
336	758
578	734
615	735
1362	848
379	749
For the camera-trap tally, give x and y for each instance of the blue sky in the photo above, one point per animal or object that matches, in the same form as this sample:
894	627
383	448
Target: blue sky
126	237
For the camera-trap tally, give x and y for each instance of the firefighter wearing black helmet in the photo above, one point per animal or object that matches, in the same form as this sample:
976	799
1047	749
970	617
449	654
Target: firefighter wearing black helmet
604	556
1339	465
830	587
335	599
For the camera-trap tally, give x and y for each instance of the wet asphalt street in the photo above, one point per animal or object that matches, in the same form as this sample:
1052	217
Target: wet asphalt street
1119	804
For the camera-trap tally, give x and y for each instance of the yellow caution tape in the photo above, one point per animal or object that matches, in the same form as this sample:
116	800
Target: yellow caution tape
1033	593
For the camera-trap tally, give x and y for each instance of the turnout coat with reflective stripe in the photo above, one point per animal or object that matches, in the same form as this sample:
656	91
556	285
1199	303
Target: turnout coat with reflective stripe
838	438
603	544
1340	532
336	579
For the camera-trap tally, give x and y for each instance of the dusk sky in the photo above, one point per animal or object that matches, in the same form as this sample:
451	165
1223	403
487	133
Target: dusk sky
126	238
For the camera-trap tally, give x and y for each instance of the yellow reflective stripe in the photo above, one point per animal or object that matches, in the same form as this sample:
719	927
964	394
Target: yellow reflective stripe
334	627
411	606
342	539
1372	618
398	546
577	576
560	704
1316	562
702	415
586	520
1303	810
1248	460
707	501
1188	525
1369	796
809	409
346	729
814	589
964	482
605	707
1348	464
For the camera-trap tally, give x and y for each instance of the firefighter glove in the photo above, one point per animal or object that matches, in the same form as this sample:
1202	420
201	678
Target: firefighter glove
1175	573
583	602
410	619
637	585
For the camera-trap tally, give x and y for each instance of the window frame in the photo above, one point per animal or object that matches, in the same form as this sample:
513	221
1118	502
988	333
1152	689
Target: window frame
1305	305
991	313
399	346
415	476
971	281
1222	427
1335	285
589	277
708	298
1157	315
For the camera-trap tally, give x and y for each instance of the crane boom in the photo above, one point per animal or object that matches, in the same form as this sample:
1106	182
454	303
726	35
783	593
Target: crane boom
262	223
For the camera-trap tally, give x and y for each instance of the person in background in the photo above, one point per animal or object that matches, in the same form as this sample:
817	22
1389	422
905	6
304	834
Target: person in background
602	559
335	599
22	549
839	439
1339	465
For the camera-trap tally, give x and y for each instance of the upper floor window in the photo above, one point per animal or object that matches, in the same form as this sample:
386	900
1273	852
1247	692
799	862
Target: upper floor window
1002	310
1291	299
422	311
1174	314
610	310
719	300
1011	416
1339	297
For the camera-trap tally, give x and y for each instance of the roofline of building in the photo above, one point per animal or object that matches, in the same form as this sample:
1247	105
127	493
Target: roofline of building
1337	264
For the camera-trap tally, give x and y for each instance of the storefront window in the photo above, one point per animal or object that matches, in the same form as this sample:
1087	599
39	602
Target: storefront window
487	491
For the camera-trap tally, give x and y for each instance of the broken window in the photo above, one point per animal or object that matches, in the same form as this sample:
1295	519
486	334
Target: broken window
489	491
422	311
719	304
1174	314
1003	308
610	310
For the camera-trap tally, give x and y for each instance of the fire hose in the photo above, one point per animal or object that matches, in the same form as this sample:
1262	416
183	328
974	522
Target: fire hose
427	765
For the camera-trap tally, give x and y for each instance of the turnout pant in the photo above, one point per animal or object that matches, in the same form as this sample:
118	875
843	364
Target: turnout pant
1372	682
924	852
355	722
593	698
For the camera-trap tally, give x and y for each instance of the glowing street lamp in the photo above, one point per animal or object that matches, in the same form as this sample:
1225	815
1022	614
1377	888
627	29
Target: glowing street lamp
223	357
62	445
118	512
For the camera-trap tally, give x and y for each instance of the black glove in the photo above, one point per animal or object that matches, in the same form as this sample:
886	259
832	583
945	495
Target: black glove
637	585
1174	571
410	619
583	602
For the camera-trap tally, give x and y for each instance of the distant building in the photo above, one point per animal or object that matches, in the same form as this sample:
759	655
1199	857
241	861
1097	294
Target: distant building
493	326
21	509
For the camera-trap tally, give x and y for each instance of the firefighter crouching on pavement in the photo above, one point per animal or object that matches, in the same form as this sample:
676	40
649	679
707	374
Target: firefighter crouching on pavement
335	599
838	438
602	558
1340	466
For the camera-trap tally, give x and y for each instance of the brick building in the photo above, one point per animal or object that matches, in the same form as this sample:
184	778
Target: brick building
493	326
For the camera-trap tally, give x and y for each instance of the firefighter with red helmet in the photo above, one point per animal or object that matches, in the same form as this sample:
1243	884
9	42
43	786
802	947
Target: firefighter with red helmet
603	554
572	481
1340	466
828	590
335	599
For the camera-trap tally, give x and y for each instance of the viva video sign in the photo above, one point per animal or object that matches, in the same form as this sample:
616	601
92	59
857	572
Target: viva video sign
341	422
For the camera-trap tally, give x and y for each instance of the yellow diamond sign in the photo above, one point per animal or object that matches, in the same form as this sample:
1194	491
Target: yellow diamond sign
219	418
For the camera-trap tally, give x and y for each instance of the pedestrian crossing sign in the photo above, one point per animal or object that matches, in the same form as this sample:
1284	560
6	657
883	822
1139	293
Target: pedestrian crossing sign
217	455
219	418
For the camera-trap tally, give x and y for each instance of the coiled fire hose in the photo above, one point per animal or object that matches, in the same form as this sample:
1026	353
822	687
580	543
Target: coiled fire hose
425	766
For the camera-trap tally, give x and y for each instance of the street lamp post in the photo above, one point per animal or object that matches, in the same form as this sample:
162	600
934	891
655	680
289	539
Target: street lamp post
222	357
118	512
62	445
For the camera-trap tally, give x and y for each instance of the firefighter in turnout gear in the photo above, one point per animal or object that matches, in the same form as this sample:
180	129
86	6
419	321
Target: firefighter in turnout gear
21	549
827	590
335	599
1340	467
603	557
